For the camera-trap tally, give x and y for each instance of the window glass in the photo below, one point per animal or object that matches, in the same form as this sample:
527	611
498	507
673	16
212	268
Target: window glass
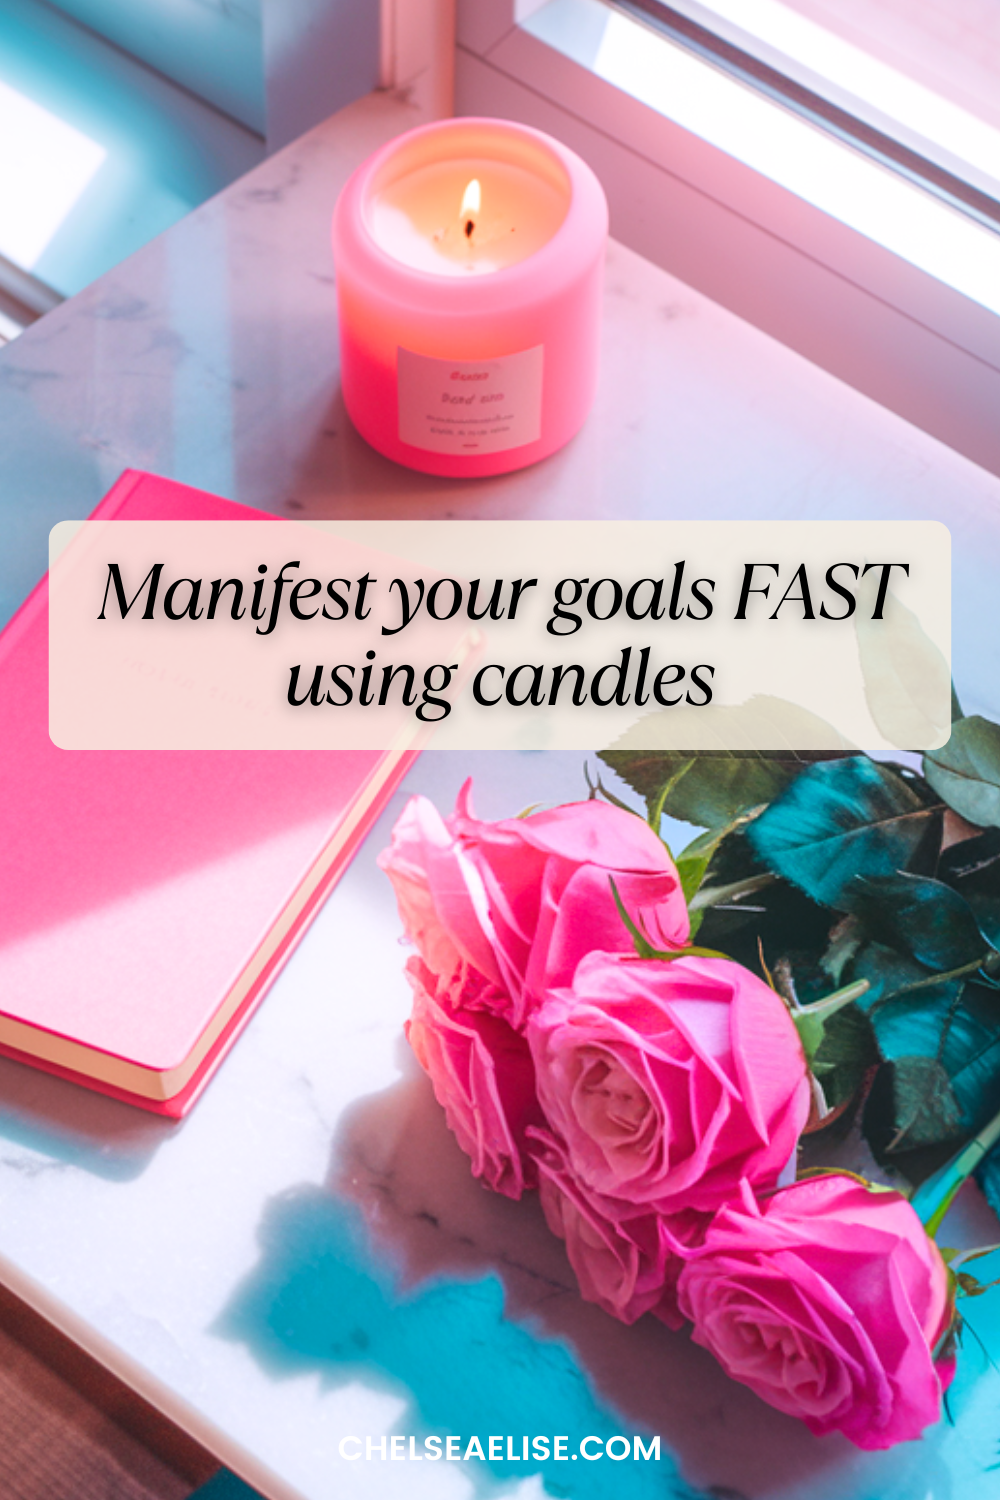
924	74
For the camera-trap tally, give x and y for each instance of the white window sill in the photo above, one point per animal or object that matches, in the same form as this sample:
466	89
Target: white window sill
840	258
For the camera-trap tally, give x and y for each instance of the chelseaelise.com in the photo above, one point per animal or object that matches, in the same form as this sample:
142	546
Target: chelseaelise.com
524	1448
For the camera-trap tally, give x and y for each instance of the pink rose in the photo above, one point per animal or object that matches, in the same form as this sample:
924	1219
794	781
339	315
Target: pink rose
483	1078
827	1299
502	912
627	1263
670	1081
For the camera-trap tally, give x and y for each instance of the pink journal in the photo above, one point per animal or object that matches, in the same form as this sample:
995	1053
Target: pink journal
148	899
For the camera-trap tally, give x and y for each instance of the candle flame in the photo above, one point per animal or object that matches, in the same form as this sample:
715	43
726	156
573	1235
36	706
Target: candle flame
471	199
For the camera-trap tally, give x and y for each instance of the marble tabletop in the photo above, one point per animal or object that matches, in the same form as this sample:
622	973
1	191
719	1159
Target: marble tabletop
306	1256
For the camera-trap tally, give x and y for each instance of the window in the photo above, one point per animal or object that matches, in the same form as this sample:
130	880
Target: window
914	85
814	184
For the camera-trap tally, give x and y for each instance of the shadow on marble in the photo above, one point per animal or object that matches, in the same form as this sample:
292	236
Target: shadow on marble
48	1124
333	469
333	459
402	1273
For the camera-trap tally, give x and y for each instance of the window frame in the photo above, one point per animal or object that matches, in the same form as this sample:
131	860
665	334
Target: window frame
844	301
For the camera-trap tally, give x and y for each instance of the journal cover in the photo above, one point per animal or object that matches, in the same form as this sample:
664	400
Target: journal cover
148	899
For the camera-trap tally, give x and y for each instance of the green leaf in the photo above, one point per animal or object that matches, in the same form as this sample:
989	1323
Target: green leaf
887	971
776	917
971	1055
692	863
924	1109
694	860
908	1013
847	1051
735	860
654	808
959	1025
966	771
716	786
906	1025
952	1023
811	1030
920	916
972	868
813	1021
846	938
841	819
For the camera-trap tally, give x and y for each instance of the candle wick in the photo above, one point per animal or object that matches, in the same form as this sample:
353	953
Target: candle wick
470	225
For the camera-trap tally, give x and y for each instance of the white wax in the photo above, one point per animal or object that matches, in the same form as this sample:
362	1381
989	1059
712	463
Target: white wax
417	218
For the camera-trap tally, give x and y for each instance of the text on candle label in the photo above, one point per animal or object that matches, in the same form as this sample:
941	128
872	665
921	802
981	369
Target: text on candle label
502	410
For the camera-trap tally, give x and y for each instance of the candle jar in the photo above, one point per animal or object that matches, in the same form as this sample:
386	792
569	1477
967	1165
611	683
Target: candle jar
469	257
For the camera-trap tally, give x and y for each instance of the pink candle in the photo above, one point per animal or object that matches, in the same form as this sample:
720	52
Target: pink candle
469	258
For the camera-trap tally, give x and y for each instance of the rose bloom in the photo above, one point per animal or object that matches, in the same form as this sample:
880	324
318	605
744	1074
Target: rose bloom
827	1299
483	1078
670	1081
627	1263
501	912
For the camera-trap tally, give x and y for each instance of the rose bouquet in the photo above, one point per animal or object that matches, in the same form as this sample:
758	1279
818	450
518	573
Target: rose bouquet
655	1091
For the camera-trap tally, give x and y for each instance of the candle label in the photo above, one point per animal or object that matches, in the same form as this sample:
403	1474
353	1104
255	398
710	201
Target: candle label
470	406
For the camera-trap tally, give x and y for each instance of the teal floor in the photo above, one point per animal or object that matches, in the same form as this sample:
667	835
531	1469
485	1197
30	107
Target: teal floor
166	150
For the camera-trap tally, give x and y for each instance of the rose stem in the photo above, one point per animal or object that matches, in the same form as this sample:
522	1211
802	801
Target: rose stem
933	1198
830	1004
